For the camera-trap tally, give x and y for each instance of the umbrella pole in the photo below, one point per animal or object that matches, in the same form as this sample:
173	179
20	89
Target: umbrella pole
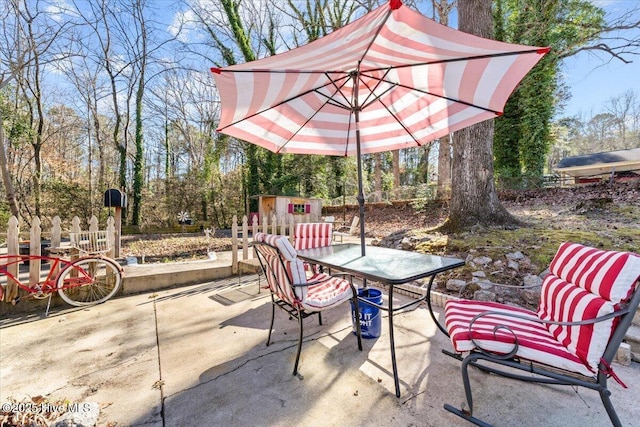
360	193
359	156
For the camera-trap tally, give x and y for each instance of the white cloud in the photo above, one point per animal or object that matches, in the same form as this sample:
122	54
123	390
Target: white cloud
60	10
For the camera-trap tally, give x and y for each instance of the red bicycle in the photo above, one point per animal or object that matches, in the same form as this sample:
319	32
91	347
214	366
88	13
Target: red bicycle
91	279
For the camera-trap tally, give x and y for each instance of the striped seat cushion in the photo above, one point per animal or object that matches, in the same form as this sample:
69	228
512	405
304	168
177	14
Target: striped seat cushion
312	235
535	342
609	274
331	291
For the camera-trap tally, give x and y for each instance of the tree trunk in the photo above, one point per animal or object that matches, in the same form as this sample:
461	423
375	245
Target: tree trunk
396	169
138	165
474	199
377	173
443	191
6	176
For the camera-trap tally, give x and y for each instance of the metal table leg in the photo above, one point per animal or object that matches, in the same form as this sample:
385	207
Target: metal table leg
394	365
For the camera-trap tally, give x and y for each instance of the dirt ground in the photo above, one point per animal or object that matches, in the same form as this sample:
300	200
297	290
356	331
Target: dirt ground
600	214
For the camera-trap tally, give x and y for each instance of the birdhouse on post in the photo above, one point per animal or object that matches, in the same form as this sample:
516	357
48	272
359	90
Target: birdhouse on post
114	198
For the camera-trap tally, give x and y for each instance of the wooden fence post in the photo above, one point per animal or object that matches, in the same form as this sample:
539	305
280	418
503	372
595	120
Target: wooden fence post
56	232
56	237
111	235
245	238
292	227
254	225
35	248
283	226
75	225
234	245
93	224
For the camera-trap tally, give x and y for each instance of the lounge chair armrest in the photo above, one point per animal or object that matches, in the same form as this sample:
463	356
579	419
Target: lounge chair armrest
621	312
617	313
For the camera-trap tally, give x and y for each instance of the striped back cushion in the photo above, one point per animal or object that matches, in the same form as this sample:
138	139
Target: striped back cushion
585	283
283	267
312	235
561	301
611	275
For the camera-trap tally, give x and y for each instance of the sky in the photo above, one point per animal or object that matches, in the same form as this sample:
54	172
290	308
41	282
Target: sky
593	84
596	79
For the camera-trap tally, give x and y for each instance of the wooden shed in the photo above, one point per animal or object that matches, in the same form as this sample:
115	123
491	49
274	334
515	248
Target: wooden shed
303	209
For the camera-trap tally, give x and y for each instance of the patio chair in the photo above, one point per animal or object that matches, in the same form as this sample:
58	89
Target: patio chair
312	235
296	294
587	303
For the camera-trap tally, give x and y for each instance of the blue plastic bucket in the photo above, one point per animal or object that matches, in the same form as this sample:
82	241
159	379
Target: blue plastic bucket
370	318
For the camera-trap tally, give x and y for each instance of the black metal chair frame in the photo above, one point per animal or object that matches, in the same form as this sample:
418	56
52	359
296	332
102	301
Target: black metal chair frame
486	361
295	311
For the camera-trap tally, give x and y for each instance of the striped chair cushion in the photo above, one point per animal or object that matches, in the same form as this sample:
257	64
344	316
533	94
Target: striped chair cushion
561	301
281	242
312	235
282	272
332	291
611	275
535	342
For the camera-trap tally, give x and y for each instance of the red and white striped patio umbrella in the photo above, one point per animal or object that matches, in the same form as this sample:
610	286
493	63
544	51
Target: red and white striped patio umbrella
389	80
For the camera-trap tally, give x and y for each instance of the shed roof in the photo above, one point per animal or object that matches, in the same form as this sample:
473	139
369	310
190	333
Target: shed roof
600	163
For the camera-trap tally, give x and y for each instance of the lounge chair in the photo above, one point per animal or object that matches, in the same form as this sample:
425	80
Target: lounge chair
587	303
352	230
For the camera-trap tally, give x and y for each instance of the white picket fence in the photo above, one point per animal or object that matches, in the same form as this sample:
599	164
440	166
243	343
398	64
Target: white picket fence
240	241
35	245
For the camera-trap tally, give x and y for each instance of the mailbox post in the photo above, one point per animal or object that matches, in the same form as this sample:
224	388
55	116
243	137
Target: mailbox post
114	198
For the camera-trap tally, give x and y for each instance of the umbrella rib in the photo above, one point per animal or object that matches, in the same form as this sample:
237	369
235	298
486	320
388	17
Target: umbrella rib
372	91
346	145
467	58
314	114
347	104
378	98
375	36
296	71
460	101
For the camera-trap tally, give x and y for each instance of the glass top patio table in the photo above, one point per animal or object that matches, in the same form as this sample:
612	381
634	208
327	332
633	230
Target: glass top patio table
387	266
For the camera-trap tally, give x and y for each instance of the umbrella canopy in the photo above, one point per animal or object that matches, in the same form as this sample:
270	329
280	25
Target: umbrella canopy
389	80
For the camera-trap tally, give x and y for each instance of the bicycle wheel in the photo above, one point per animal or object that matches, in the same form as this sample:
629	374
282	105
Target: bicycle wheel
89	281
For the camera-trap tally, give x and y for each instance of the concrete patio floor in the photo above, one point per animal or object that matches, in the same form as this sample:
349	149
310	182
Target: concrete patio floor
196	356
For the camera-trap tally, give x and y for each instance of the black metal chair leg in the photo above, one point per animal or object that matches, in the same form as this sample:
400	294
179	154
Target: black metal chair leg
465	415
466	381
320	317
295	367
273	315
462	413
608	405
